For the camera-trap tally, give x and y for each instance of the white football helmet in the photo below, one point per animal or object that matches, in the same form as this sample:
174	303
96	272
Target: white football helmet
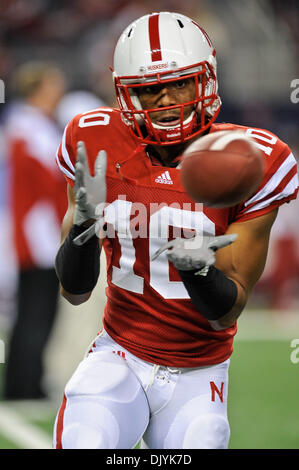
161	48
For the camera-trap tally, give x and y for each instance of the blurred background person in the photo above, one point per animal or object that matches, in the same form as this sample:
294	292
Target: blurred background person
75	102
38	204
7	255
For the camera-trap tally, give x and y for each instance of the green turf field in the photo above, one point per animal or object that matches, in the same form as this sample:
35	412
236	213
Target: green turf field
263	393
263	396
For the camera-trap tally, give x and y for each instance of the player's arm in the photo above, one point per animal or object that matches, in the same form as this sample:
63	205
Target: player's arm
77	262
219	283
244	260
67	224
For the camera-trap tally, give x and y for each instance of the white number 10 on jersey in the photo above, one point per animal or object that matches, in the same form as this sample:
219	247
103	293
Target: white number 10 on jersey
124	275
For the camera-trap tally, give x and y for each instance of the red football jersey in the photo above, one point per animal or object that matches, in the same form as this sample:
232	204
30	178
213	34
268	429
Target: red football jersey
148	309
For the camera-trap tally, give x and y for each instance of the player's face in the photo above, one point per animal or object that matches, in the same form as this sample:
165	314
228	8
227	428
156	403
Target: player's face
169	94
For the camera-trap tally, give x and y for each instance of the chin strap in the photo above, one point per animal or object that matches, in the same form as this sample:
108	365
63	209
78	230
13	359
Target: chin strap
167	134
170	128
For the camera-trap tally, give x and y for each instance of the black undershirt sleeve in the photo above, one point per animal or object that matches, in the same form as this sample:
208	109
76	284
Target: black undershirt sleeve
213	295
78	267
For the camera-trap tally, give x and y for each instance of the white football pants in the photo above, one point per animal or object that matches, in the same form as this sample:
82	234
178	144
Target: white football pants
114	399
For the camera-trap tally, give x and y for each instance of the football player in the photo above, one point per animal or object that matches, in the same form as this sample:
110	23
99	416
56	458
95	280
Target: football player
158	370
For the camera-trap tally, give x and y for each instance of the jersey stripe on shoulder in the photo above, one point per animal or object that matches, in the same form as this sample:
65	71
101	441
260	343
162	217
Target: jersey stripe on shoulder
280	185
63	157
64	170
65	153
288	190
288	167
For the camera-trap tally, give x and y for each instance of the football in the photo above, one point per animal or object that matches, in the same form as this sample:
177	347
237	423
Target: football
222	169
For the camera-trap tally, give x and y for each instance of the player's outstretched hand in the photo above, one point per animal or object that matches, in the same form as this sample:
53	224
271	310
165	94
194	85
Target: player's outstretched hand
90	193
194	253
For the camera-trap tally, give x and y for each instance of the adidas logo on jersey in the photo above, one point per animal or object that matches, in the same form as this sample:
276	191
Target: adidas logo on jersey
164	178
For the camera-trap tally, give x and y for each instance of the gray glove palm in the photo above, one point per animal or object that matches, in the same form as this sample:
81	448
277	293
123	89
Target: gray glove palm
195	253
90	193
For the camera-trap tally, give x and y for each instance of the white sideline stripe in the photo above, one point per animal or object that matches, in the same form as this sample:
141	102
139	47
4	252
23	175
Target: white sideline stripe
32	410
24	434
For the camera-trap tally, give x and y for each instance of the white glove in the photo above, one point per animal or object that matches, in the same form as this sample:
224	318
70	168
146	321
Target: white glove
90	193
195	253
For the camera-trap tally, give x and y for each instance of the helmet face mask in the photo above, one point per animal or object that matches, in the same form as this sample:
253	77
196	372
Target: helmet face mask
194	116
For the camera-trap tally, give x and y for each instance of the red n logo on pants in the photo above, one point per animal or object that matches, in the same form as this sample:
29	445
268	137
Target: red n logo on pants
214	389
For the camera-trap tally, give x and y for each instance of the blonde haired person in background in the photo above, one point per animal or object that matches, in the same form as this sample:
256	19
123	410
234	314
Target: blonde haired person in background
37	197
